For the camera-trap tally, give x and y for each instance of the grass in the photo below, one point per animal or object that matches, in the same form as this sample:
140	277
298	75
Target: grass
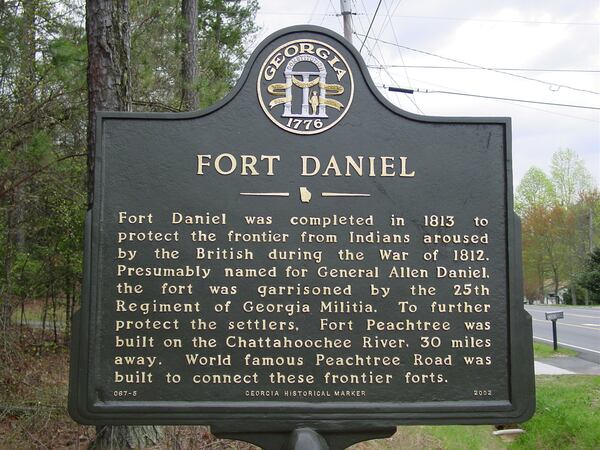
33	312
567	416
542	351
444	437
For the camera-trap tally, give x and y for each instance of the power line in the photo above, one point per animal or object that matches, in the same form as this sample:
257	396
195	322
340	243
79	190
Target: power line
521	105
377	46
312	13
362	28
370	25
475	19
336	15
389	16
518	105
325	15
484	68
412	100
435	91
359	21
508	69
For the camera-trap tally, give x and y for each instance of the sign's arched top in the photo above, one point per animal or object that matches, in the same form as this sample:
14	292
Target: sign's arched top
305	86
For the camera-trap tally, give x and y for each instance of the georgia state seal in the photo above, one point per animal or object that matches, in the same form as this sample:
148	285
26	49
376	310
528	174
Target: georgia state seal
305	86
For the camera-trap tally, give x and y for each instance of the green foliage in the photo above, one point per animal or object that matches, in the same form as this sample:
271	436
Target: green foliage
43	100
535	189
569	176
224	27
224	32
590	277
555	212
42	199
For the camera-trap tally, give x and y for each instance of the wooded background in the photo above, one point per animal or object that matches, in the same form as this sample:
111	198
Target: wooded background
60	61
58	65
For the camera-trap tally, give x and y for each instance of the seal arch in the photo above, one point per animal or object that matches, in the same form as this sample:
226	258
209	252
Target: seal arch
305	84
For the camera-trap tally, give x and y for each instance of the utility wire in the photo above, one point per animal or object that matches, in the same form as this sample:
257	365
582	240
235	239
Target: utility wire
435	91
312	13
370	25
484	68
508	69
389	16
372	55
519	105
336	15
475	19
412	100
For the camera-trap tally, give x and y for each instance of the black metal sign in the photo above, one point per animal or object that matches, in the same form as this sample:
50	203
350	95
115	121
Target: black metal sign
302	253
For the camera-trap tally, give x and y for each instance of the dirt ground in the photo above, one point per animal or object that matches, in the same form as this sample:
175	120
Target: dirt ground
33	400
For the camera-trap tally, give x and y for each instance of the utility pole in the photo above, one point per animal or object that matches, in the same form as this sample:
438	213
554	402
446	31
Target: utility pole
591	231
346	8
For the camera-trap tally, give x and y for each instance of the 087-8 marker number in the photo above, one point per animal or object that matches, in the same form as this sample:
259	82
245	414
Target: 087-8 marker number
307	124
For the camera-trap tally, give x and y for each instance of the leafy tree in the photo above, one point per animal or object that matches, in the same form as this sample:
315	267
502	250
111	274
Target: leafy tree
535	257
559	216
590	277
42	96
160	34
569	177
535	190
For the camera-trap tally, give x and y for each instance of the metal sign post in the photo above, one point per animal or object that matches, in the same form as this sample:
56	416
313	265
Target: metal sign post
554	316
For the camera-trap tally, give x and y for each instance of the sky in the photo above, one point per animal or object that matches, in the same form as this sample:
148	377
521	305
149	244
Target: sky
560	35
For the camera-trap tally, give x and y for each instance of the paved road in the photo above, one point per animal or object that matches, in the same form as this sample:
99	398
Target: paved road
579	330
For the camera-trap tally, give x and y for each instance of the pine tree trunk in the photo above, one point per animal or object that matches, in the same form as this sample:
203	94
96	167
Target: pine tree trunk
109	89
190	99
123	437
108	74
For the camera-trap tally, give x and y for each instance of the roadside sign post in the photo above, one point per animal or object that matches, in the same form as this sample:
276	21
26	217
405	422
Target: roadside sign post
554	316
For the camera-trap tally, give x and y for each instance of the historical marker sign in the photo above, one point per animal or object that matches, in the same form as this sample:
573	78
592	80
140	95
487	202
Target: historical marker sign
302	253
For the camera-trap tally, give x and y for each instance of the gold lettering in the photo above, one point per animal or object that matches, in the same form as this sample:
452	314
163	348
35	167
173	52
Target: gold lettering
323	53
232	161
270	73
403	172
248	162
270	159
332	165
387	162
305	160
290	51
277	60
305	47
201	163
358	167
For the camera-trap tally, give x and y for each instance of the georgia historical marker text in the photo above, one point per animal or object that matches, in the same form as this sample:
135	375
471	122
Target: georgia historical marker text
302	253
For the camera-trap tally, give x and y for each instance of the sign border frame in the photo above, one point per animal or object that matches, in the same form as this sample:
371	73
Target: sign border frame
259	415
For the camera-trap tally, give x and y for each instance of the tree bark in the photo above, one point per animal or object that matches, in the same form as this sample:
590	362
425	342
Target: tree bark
124	437
109	89
108	74
190	99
